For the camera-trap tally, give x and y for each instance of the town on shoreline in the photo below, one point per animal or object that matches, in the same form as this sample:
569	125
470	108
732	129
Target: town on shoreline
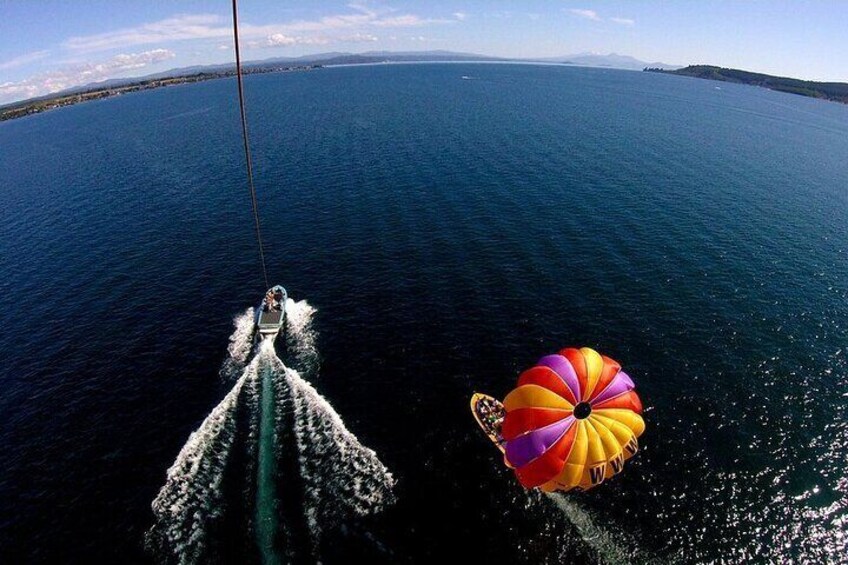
42	104
834	91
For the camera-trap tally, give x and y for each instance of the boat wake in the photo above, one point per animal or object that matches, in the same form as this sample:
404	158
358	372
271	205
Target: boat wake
272	467
613	549
191	501
301	337
342	476
241	345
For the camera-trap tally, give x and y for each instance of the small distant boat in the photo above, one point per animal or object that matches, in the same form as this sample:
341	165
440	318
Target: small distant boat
489	413
271	314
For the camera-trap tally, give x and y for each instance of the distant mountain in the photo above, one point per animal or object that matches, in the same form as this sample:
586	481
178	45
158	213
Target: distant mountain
264	65
330	58
327	59
436	55
836	91
611	60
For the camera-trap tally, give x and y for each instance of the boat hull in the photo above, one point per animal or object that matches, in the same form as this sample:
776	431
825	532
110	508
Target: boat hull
269	321
490	433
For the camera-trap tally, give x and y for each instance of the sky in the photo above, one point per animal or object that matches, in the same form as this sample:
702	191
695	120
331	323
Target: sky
50	45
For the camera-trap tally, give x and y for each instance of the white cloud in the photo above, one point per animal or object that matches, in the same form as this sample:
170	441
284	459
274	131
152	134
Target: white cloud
197	26
282	40
356	24
359	38
461	16
588	14
623	21
22	60
132	61
408	20
211	26
593	15
11	91
81	74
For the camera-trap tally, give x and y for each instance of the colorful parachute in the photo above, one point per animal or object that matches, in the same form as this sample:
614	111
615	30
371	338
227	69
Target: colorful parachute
572	421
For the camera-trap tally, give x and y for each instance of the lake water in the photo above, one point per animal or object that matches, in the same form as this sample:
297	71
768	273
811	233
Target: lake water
448	231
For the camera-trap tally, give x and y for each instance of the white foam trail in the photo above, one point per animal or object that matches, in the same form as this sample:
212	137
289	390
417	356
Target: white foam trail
301	337
299	320
241	344
341	477
191	498
609	548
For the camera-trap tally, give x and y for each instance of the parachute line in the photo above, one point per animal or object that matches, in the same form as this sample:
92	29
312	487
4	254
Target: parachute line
247	146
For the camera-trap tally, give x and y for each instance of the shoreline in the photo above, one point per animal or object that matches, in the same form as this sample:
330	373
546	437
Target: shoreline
31	107
809	89
36	106
829	91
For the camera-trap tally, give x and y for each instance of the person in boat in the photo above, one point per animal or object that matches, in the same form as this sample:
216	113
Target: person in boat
491	415
497	427
278	297
269	301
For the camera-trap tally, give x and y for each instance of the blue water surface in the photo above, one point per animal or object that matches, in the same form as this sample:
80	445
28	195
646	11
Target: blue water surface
449	231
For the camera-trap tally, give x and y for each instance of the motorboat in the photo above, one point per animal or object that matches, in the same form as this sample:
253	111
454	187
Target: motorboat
271	314
489	414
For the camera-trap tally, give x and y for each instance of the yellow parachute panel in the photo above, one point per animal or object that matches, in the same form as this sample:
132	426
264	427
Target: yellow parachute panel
534	396
571	422
594	366
627	417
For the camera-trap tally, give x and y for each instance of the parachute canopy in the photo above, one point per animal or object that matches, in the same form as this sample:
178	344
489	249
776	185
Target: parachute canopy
572	421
